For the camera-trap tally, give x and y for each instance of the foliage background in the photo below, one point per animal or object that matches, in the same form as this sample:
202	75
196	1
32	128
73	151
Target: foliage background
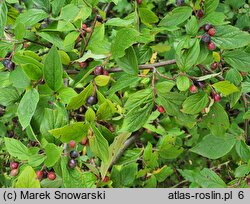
153	53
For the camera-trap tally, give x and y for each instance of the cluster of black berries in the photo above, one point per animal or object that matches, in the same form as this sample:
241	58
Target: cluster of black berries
72	163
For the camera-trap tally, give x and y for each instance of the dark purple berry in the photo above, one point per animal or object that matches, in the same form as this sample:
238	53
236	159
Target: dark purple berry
99	18
179	2
207	27
91	100
200	13
98	70
73	154
72	163
206	38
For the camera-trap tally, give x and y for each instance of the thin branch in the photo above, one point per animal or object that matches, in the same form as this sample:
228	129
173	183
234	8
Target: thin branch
127	144
89	37
36	42
246	120
141	67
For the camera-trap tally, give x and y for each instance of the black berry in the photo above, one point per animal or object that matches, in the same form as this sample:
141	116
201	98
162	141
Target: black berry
8	64
73	154
99	18
206	38
91	100
72	163
200	13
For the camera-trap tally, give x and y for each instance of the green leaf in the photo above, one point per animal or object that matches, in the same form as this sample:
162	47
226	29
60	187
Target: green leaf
216	120
79	100
162	173
214	18
186	58
32	71
27	179
114	148
66	94
75	178
19	79
195	104
168	149
209	179
36	160
242	170
210	6
129	62
102	80
238	59
69	41
8	96
119	22
182	83
242	150
90	115
53	154
53	70
230	37
176	16
123	176
164	87
246	116
75	131
98	144
106	110
245	87
147	16
31	17
124	38
16	148
225	87
234	76
192	26
136	118
150	158
27	107
214	147
171	102
3	17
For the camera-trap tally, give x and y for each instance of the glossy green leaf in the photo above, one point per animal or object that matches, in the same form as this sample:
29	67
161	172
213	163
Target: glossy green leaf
27	179
225	87
16	148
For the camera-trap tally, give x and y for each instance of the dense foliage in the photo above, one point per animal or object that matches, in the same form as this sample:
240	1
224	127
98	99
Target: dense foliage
117	93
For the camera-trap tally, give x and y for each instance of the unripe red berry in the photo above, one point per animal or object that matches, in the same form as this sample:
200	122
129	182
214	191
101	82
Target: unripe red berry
214	65
193	89
88	29
211	46
51	175
84	26
83	64
14	172
139	1
211	31
200	13
105	72
14	165
248	181
161	109
39	175
217	97
84	141
72	144
106	179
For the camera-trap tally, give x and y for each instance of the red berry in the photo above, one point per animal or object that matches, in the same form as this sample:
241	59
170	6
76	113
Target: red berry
248	181
14	165
193	89
217	97
84	141
88	29
211	31
161	109
200	13
72	144
84	26
51	175
214	65
105	72
211	46
39	175
106	179
139	1
13	172
83	64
